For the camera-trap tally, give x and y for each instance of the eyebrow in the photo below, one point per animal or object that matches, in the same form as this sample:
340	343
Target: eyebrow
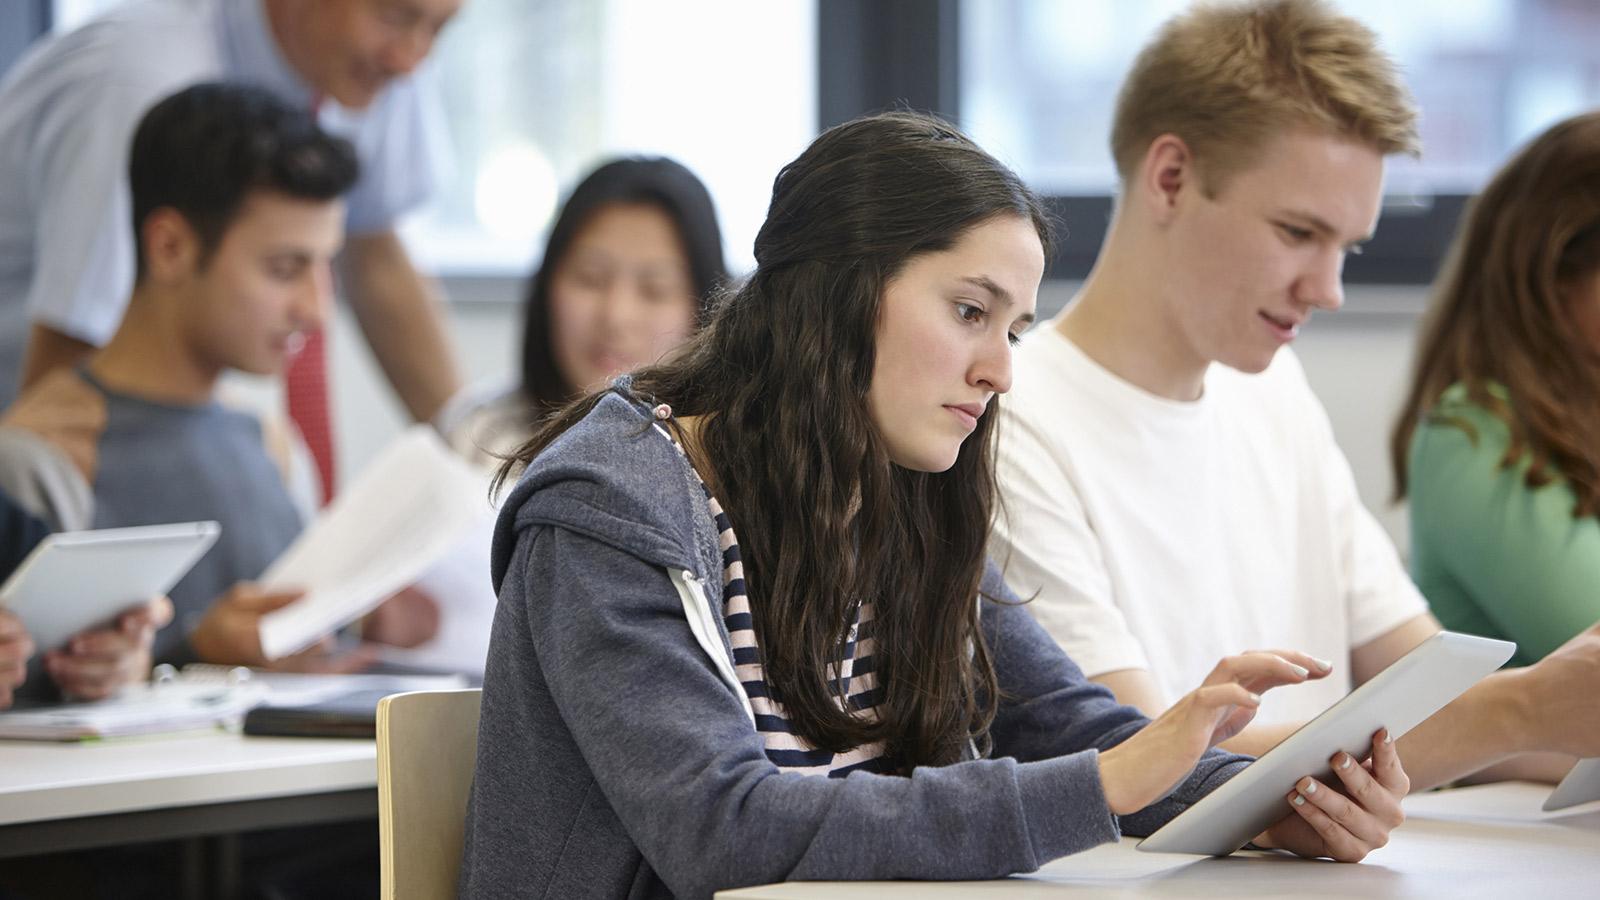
1004	296
1321	225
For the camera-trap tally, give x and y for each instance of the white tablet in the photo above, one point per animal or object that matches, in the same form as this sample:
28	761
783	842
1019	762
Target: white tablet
81	579
1398	698
1581	785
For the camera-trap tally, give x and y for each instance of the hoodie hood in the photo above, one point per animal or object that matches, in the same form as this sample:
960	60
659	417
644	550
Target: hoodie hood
615	477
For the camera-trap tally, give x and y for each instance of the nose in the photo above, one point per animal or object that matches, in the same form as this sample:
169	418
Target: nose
991	370
313	300
1322	286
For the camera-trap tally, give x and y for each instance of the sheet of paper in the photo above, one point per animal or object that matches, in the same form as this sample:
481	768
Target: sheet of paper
410	506
459	583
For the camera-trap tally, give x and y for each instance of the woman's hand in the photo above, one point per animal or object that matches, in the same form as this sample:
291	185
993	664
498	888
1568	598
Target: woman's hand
1147	766
1348	820
96	664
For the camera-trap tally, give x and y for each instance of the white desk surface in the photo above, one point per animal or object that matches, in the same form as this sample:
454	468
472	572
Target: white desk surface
1489	841
44	781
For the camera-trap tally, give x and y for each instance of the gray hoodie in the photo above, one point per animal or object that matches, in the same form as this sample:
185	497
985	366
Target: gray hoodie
616	753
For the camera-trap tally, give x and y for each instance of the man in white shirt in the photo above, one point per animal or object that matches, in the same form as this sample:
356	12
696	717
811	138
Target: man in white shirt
1172	489
68	110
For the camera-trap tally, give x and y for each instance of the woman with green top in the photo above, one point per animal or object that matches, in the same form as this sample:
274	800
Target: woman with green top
1498	444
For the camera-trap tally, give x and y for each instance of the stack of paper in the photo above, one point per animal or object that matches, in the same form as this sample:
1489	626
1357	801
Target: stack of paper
137	709
409	507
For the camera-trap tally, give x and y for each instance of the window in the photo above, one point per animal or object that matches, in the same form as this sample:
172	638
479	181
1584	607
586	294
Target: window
538	93
1039	80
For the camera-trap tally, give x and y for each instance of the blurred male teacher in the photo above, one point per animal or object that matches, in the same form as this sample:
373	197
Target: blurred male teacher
67	113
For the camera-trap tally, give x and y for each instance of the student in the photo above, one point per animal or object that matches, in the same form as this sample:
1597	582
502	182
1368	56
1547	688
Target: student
237	216
740	637
1498	445
627	275
1172	488
92	665
69	107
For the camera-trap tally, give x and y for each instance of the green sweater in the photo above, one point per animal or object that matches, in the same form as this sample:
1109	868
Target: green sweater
1493	556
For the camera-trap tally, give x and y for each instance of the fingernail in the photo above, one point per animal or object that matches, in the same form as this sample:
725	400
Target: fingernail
1300	671
1387	737
1322	664
1311	787
1299	800
1344	761
1255	698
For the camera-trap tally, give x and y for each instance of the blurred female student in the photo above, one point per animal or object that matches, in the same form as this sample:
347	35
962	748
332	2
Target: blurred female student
747	630
1498	444
628	274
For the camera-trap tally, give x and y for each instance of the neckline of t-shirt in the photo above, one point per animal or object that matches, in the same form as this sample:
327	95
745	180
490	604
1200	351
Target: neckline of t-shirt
1125	389
208	407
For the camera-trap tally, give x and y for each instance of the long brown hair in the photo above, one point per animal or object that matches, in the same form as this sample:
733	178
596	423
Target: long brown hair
779	377
1501	315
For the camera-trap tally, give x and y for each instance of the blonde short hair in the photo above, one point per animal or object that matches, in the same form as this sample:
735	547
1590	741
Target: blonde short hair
1227	77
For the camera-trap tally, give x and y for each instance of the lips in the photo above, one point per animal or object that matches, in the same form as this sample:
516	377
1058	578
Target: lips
968	413
1286	327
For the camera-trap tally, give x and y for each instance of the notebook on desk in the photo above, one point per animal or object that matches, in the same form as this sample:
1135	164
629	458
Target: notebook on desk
337	705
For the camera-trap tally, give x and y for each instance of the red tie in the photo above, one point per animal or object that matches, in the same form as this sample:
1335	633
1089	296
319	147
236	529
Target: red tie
305	384
306	388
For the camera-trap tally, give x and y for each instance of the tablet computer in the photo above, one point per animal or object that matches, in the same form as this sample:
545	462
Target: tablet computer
1415	687
1581	785
81	579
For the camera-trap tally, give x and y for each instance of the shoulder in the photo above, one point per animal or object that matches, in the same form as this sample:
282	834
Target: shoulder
1459	427
65	412
489	426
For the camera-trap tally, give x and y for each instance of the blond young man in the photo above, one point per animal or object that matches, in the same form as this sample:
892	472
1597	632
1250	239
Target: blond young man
1173	491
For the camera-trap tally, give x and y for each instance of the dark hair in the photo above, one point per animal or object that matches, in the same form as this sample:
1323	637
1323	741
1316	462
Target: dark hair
780	376
655	181
202	150
1499	315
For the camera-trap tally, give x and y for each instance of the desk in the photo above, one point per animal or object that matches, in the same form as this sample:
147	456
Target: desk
75	796
1489	841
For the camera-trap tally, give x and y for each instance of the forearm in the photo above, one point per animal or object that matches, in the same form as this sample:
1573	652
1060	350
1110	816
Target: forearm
1484	726
1546	767
401	315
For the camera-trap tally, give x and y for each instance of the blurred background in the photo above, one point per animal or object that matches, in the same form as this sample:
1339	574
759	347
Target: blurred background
538	91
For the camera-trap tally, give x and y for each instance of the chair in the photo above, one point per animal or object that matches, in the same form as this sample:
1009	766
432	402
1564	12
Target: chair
427	747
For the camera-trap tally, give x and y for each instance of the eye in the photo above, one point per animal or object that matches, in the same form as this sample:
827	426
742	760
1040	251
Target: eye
1294	233
968	312
1015	338
285	269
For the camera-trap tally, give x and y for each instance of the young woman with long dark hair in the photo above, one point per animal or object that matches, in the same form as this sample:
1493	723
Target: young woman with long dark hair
747	630
628	274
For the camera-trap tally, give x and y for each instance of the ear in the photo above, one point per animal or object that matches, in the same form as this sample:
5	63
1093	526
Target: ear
1165	174
171	245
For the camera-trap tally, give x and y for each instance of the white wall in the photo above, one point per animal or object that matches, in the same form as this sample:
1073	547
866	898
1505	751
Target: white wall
1358	361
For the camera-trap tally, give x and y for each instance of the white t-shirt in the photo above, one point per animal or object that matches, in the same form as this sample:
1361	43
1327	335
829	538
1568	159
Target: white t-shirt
68	110
1163	535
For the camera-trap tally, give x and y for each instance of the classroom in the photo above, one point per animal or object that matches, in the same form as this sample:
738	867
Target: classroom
799	448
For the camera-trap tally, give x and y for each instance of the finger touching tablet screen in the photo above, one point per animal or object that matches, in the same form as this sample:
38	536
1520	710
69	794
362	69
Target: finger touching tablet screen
1399	698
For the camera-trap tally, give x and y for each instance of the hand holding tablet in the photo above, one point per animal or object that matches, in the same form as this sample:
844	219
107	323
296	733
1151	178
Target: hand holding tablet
1393	702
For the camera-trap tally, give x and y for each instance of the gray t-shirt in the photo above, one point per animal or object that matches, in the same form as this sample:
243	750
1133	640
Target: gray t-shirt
156	463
